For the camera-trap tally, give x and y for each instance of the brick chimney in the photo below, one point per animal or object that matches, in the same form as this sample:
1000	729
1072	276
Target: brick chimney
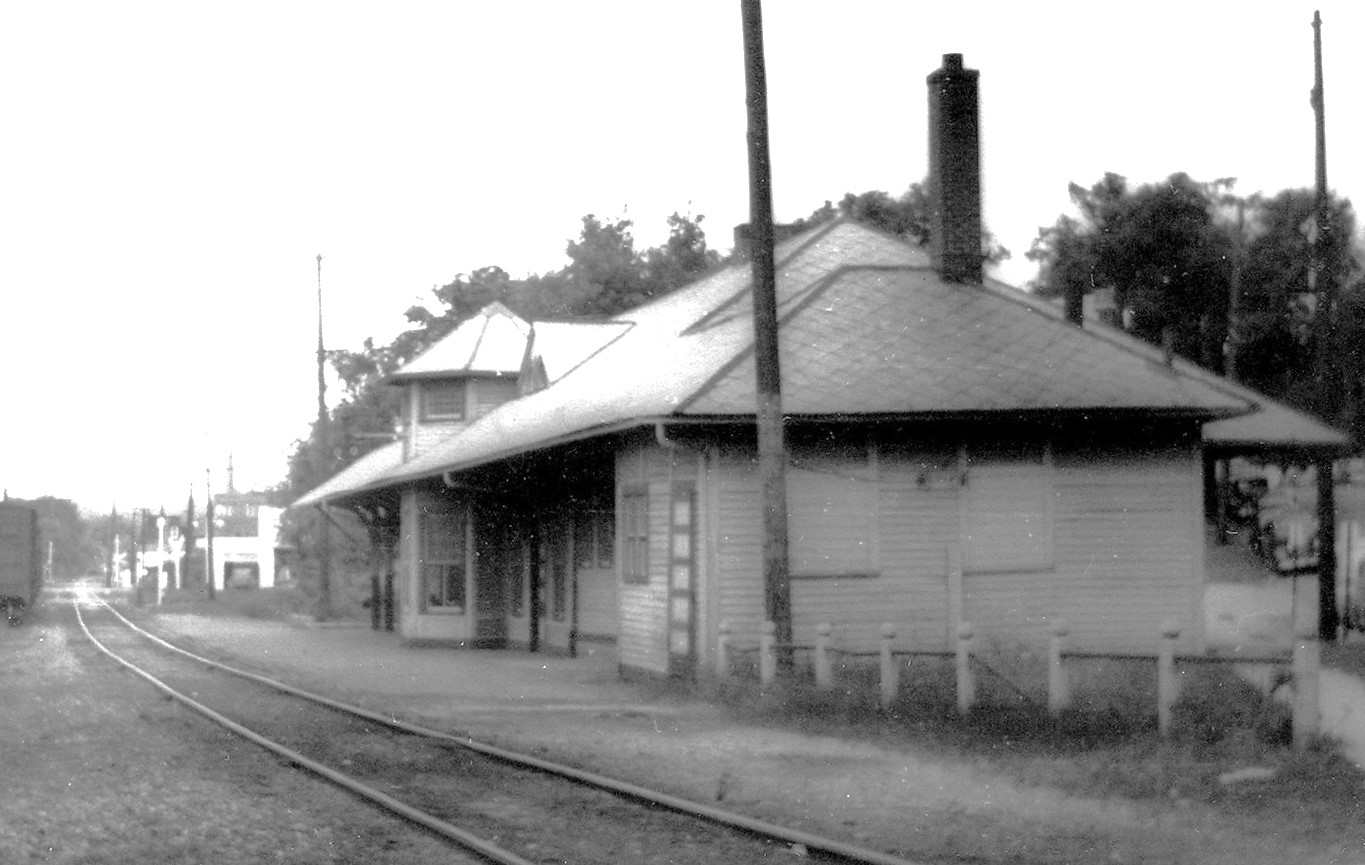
954	172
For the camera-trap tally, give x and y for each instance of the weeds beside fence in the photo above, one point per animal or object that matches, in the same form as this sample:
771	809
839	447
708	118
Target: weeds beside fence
1123	690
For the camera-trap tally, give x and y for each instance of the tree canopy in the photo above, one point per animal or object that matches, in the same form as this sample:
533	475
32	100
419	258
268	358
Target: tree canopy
1223	279
906	216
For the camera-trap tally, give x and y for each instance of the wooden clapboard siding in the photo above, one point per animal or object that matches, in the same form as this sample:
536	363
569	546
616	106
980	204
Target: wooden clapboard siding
738	578
918	522
832	513
643	608
489	393
1124	557
1129	547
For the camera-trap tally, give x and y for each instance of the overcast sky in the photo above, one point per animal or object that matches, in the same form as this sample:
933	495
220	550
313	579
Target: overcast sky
172	170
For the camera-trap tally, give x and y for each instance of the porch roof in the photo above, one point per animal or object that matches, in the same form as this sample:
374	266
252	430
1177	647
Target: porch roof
369	471
1274	430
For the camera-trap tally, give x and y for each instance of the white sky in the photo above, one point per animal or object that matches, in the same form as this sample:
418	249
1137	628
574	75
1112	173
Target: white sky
171	170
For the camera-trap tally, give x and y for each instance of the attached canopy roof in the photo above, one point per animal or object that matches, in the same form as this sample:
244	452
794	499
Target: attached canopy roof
368	472
1275	431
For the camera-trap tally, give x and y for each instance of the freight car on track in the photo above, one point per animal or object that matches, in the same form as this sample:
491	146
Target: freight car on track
21	571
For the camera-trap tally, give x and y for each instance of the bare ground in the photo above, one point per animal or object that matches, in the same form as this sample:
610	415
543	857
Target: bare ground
99	770
113	774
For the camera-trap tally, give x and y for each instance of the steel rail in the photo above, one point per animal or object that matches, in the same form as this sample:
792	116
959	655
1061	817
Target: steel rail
810	842
446	830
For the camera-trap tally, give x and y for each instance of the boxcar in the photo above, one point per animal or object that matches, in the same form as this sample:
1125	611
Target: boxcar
21	573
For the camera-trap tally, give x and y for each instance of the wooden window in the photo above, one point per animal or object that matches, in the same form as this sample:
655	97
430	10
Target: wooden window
519	577
832	505
1007	511
635	535
443	543
594	537
442	400
554	556
606	539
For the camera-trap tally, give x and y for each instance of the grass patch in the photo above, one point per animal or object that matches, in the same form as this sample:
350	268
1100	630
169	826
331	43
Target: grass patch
1346	655
1106	746
279	602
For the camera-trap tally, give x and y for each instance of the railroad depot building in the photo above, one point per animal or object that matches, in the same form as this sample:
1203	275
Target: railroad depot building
957	452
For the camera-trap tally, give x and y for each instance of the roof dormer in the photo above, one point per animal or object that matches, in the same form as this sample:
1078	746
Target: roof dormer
461	377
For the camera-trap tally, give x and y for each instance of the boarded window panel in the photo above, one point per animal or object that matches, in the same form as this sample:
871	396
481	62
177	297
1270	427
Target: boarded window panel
832	514
1007	514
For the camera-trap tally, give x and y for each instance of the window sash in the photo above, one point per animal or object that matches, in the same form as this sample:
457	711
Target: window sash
443	400
443	544
635	536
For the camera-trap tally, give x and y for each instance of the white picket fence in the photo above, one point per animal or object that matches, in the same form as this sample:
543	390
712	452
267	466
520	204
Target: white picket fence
1170	667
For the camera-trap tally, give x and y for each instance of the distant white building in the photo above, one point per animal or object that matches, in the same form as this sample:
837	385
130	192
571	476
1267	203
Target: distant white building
245	541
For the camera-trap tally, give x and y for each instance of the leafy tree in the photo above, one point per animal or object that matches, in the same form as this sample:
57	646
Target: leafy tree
683	257
1216	272
1276	327
1161	247
68	535
909	216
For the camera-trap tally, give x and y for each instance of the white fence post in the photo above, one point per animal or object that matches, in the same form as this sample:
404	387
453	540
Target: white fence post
1058	686
966	681
1306	717
723	650
1167	686
1307	654
824	669
767	654
891	680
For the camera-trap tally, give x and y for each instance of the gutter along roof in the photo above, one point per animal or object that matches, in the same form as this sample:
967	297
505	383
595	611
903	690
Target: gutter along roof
868	331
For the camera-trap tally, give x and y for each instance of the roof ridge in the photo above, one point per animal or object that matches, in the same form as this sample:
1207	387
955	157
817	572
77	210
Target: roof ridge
808	238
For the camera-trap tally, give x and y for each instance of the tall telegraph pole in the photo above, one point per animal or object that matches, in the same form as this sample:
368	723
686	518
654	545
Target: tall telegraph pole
1329	380
772	455
324	610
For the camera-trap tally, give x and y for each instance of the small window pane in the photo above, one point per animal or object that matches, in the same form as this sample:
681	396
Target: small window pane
606	539
443	400
442	544
635	543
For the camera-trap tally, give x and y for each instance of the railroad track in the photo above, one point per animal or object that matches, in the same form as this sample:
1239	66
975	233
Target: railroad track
502	806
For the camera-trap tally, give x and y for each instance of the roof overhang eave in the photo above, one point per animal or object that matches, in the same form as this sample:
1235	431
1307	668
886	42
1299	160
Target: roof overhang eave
584	434
1314	451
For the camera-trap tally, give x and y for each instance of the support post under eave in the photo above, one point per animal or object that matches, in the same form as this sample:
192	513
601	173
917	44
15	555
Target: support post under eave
1328	617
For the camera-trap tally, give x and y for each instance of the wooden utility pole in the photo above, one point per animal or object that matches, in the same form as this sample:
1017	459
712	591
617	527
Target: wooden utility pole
324	610
772	454
189	541
208	535
1329	378
111	578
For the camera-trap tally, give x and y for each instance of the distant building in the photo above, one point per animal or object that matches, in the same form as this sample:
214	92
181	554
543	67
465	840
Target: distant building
246	534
